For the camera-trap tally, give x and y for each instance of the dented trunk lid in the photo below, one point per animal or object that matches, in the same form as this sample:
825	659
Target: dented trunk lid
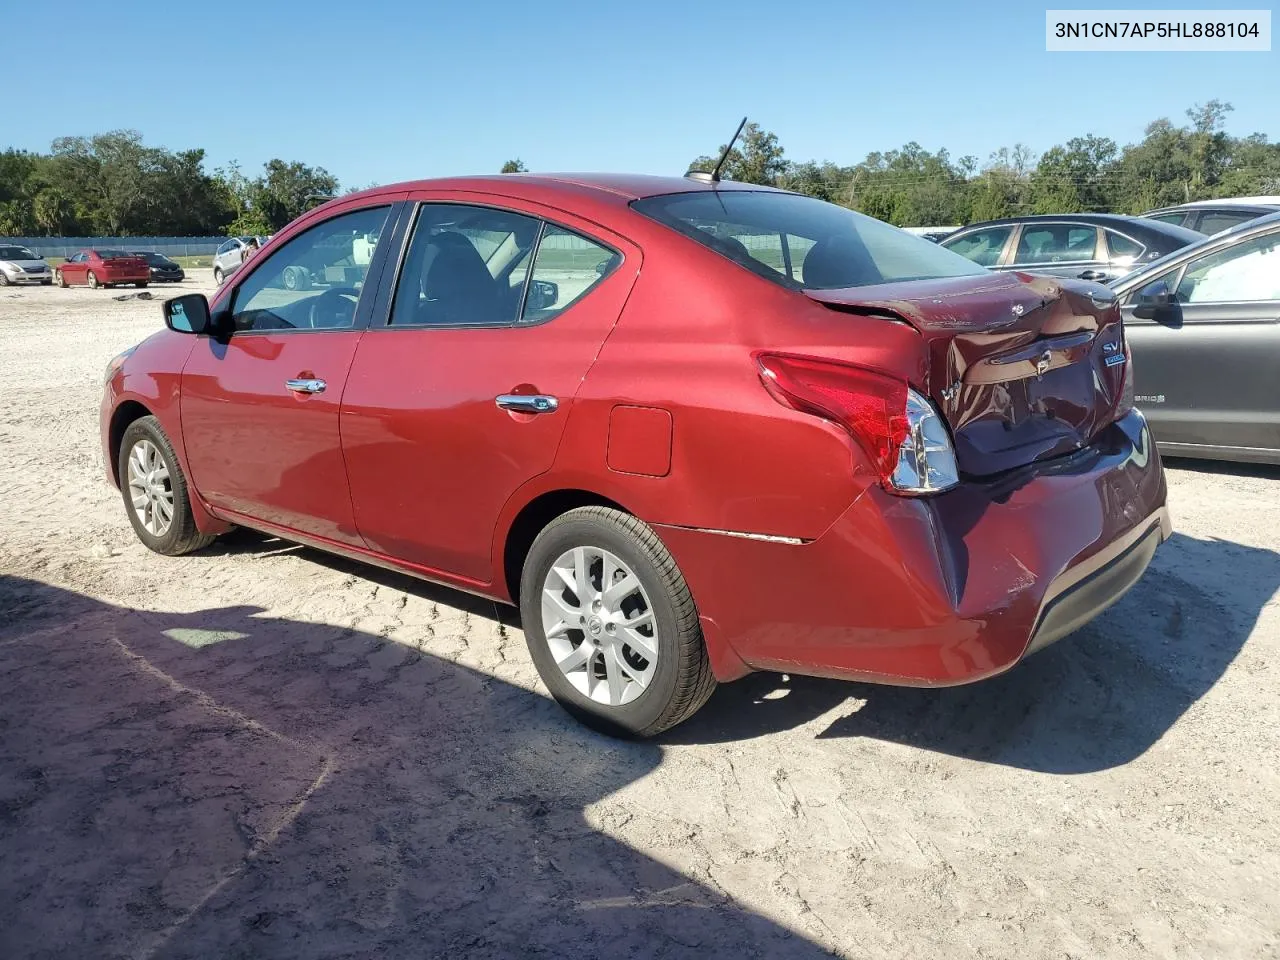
1022	367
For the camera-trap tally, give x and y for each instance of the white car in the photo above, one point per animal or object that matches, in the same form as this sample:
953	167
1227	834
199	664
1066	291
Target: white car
20	265
229	257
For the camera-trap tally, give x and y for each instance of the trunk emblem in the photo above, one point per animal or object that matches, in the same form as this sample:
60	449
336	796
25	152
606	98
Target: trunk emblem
950	393
1018	309
1042	363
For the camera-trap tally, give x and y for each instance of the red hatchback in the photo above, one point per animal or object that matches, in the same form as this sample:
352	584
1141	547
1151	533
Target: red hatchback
692	429
103	268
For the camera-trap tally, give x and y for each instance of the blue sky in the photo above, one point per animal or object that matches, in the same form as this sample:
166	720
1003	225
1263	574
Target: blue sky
381	90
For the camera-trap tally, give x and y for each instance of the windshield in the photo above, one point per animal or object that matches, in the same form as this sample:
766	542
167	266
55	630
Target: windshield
17	253
803	243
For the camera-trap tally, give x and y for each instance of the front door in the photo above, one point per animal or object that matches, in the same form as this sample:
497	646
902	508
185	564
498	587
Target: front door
260	408
1204	369
459	393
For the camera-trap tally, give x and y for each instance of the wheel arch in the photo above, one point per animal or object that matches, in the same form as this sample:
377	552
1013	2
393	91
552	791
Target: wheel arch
532	518
126	413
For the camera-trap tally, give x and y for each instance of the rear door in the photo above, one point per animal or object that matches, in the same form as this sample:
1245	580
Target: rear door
260	408
1205	370
459	391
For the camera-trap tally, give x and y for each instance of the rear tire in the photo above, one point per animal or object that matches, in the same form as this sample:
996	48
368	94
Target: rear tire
155	470
677	671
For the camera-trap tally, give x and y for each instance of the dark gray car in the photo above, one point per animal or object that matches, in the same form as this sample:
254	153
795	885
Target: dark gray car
1089	246
1203	326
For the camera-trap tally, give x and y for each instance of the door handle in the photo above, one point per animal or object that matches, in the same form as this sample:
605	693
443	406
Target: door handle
1094	275
306	386
528	403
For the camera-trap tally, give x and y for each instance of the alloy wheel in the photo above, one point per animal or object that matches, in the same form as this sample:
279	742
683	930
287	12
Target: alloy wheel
599	625
150	488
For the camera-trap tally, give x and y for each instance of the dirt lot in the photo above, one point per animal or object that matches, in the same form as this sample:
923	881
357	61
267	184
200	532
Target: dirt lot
262	752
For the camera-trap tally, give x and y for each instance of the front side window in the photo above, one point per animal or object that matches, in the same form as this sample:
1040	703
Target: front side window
828	246
466	266
1211	223
314	281
565	268
981	246
1057	243
1245	272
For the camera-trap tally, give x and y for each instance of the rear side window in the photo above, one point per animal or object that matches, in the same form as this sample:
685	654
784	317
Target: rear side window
1057	243
981	246
1175	218
1121	247
799	242
566	267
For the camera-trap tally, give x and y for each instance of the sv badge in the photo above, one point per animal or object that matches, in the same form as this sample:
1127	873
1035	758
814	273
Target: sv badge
1042	364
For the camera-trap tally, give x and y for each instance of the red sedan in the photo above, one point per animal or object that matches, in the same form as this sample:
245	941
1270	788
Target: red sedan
103	268
691	429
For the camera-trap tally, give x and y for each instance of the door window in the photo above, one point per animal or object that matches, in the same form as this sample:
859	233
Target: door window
1122	247
566	267
1247	271
981	246
1174	218
1216	222
1057	243
315	280
466	266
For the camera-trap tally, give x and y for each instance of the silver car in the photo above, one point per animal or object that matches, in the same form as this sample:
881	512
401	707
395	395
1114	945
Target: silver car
20	265
230	256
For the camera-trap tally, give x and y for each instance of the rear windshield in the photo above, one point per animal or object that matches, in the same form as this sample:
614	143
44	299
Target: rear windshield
154	259
803	243
113	254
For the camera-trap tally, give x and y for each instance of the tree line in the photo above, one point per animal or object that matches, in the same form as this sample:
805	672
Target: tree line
113	184
911	186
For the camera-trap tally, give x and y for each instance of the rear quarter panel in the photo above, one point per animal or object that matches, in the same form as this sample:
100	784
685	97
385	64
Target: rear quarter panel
686	343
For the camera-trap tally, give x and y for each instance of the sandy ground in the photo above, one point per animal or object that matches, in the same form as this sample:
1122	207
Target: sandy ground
260	751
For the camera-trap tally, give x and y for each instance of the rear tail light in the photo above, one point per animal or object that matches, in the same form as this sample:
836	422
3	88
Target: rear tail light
1126	392
899	430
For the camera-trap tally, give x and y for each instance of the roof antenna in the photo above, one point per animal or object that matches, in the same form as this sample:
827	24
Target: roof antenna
714	175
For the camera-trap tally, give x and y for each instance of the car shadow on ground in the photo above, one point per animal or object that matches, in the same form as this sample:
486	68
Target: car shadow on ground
225	784
1105	695
1097	699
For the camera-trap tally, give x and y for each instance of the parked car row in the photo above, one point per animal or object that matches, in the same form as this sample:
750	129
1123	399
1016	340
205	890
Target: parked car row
97	267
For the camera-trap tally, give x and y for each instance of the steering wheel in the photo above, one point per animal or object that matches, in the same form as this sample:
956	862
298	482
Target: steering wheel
335	307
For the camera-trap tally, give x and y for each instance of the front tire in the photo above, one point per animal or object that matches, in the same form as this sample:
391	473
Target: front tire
155	491
59	279
611	624
92	280
141	285
217	276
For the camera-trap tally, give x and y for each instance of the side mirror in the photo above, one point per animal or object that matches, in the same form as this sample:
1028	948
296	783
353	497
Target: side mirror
1154	298
188	314
543	295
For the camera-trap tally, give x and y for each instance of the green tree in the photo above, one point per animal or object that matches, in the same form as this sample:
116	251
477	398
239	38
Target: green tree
1076	177
756	157
288	190
514	166
52	212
